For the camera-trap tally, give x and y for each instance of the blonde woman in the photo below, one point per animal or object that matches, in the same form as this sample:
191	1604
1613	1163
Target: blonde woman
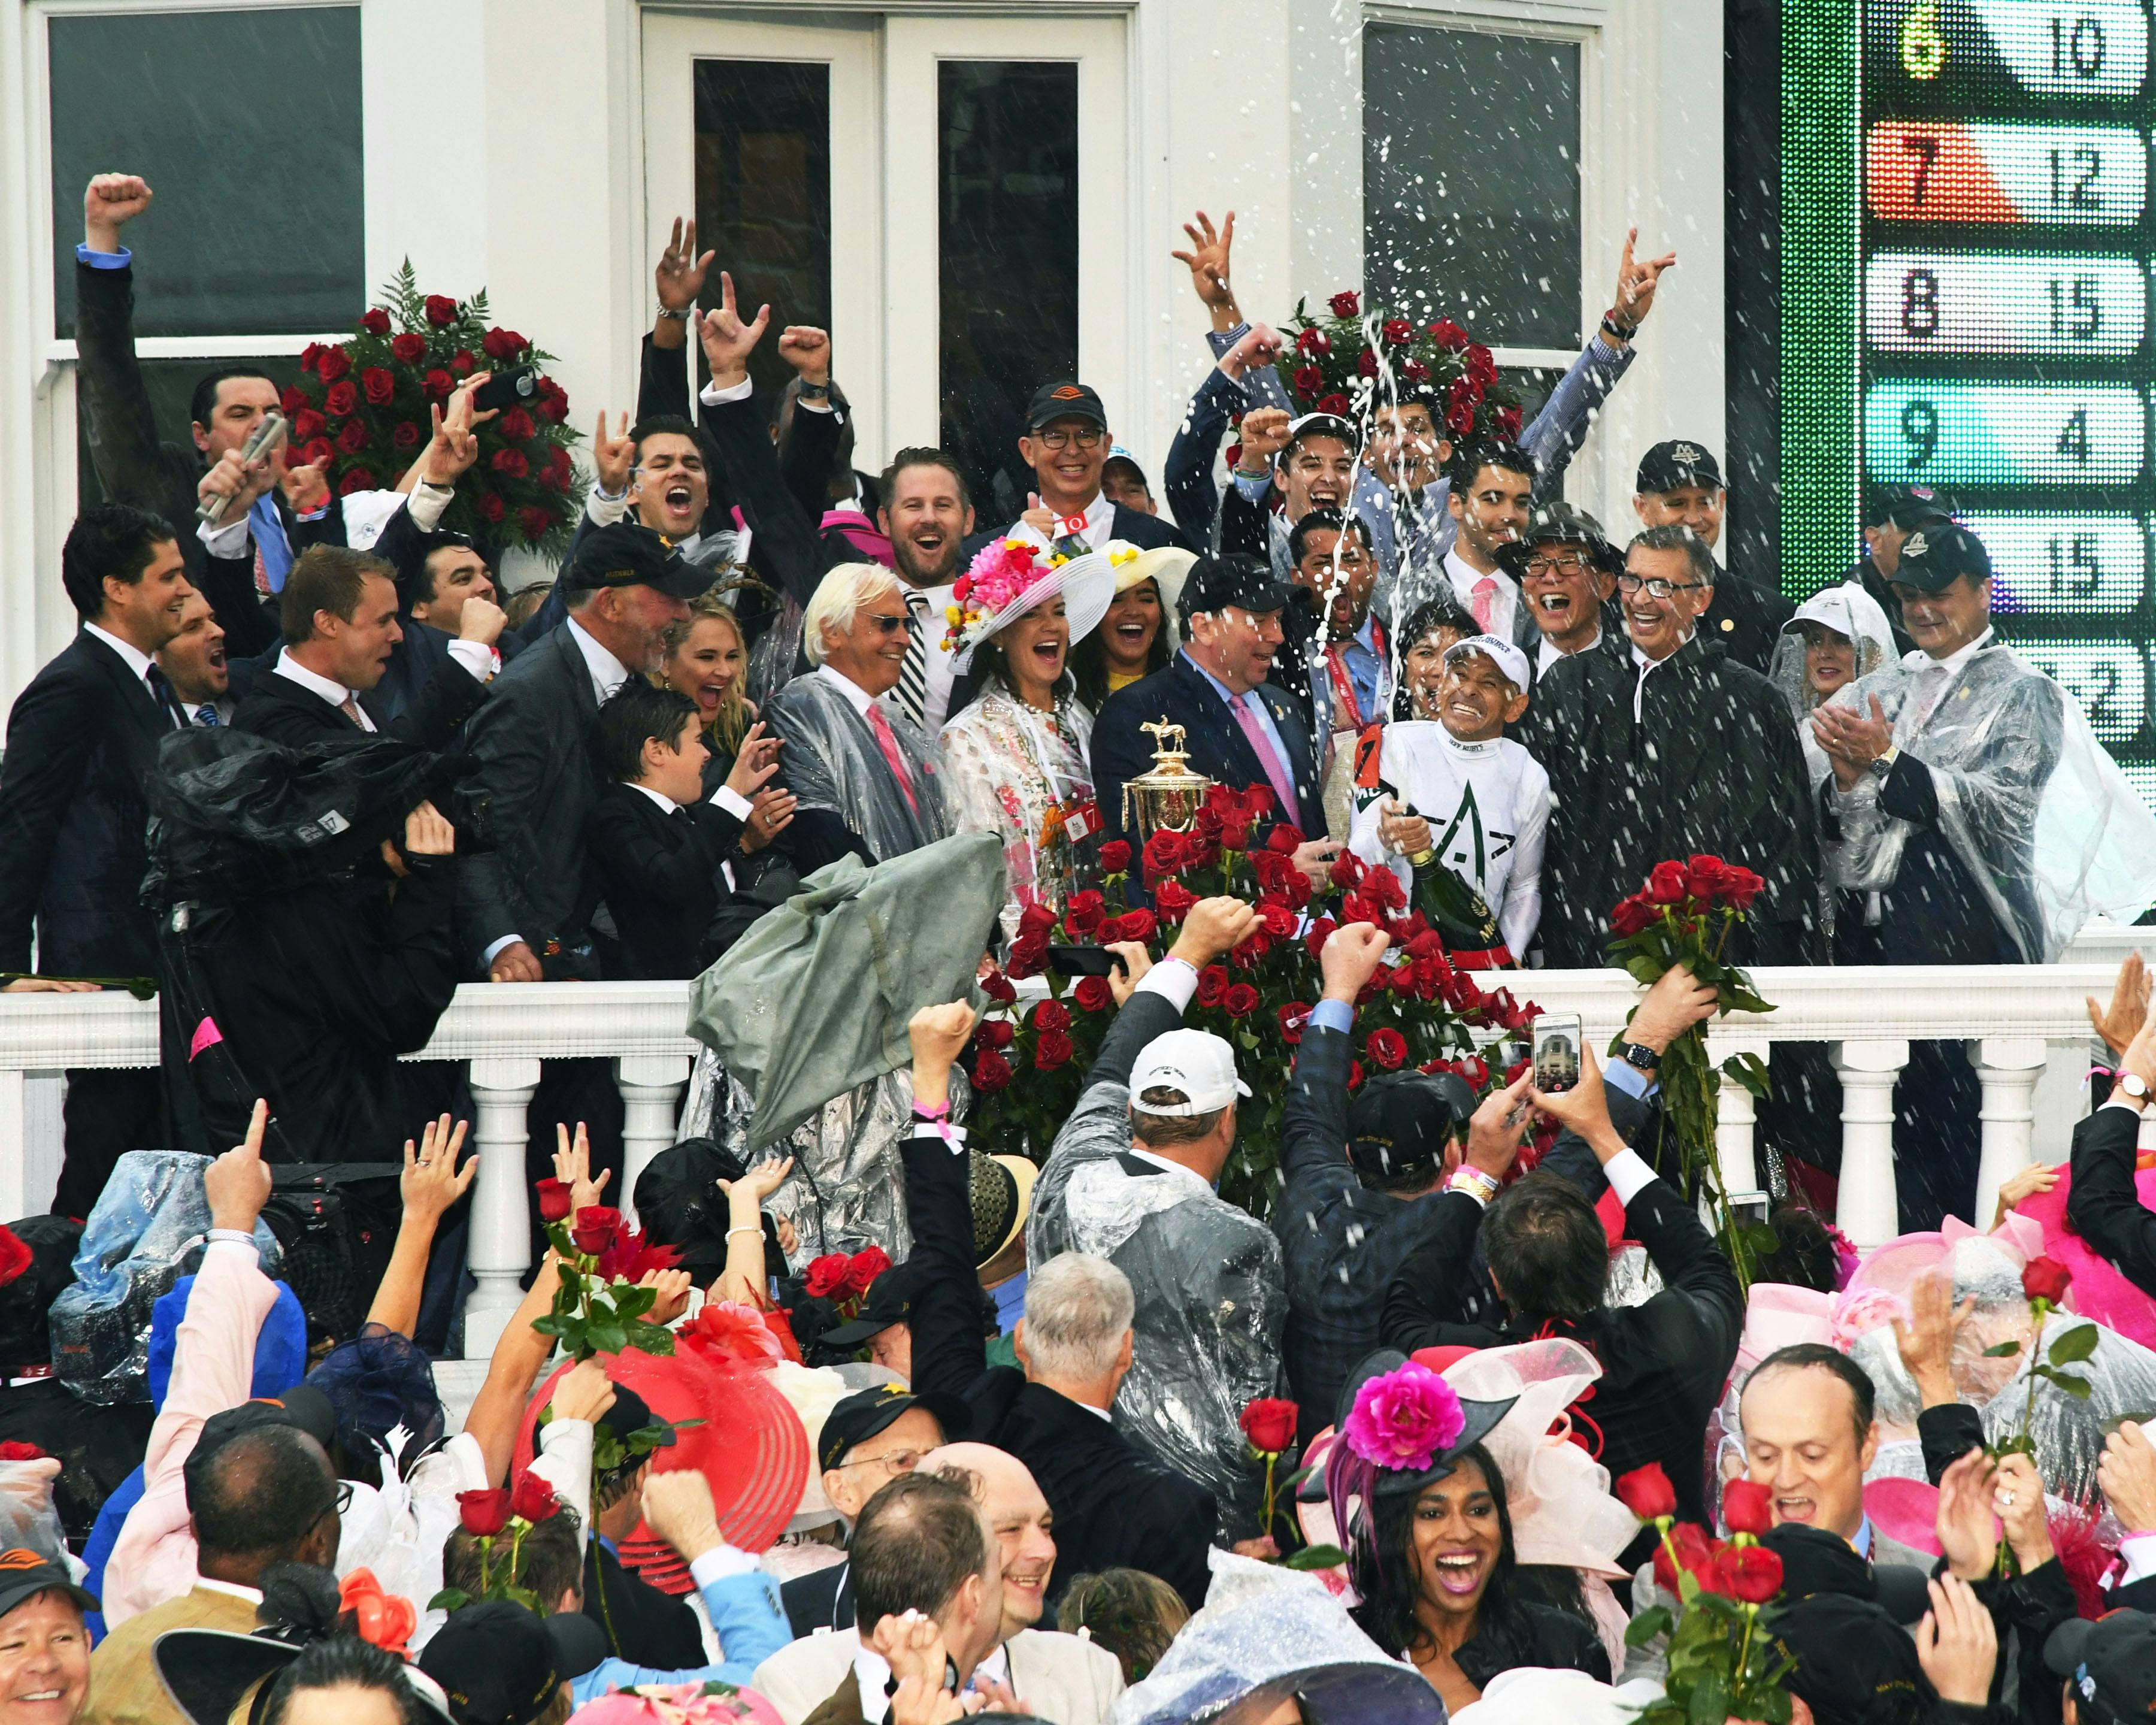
707	660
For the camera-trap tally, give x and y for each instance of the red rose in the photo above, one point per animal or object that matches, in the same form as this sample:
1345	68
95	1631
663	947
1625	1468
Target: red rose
1740	886
1084	914
1246	956
1173	900
1665	885
1482	364
996	987
293	400
1704	876
991	1072
462	363
1315	936
1399	329
1051	1015
1139	924
1284	839
1387	1048
1646	1491
558	473
1053	1050
535	521
354	437
1240	1001
1313	343
2046	1279
1269	1423
1212	983
409	349
341	398
332	364
307	425
996	1032
510	462
441	310
1028	956
438	384
375	321
1416	374
1747	1508
310	356
1114	856
597	1225
1335	405
1278	919
1347	870
1459	419
1694	1554
1366	363
1448	334
553	1199
1257	801
15	1450
491	508
360	479
483	1513
1308	380
1294	1020
864	1267
1354	1075
1093	994
826	1275
1035	919
406	436
532	1499
503	344
515	425
1508	422
1749	1574
1346	303
1632	916
1235	835
318	450
552	402
1163	852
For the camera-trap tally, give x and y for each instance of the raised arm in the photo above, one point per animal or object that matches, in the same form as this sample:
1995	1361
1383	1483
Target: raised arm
1314	1126
1557	431
2103	1205
431	1182
948	1352
1425	1297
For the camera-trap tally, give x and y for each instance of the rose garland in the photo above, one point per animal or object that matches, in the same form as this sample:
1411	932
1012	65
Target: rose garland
1354	361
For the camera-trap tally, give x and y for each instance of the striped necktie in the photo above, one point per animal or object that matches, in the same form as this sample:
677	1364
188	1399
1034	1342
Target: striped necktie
913	673
206	713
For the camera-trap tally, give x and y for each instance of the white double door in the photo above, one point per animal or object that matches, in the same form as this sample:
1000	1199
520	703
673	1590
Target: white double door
956	190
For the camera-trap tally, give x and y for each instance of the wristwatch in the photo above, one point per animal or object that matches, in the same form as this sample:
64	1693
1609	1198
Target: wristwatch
812	391
671	316
2134	1085
1639	1055
1883	763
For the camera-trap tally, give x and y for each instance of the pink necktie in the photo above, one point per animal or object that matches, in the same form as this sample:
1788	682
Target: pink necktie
1484	599
1268	756
887	741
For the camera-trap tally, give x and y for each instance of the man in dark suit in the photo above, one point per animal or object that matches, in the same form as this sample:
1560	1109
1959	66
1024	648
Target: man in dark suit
1115	1505
1664	1363
82	740
2103	1203
1238	729
244	557
1680	484
339	612
1067	446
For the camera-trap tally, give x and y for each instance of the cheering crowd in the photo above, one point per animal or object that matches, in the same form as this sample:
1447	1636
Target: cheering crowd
1455	1428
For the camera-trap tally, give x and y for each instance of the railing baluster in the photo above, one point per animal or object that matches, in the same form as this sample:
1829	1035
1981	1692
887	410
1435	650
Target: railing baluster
650	1086
2008	1067
1737	1121
501	1250
1866	1208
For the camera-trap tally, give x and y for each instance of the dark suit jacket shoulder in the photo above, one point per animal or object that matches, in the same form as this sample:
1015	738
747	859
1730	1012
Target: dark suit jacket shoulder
823	1599
659	875
283	711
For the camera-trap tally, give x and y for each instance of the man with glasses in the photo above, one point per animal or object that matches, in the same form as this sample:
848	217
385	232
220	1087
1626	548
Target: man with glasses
1680	484
1659	746
867	1440
1567	569
1067	446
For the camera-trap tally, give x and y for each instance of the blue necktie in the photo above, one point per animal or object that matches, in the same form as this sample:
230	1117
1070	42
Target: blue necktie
206	713
270	544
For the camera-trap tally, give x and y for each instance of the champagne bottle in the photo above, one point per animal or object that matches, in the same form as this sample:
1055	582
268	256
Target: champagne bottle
1459	913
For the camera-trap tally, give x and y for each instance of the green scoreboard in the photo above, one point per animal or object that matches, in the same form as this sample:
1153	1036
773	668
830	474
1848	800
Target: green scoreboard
1968	247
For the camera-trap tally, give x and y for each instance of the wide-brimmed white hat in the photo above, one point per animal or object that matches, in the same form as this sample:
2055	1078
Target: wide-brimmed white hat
1086	585
1165	566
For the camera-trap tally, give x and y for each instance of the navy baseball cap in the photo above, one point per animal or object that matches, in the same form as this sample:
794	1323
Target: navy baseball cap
1679	461
1233	579
1065	401
2111	1664
1937	551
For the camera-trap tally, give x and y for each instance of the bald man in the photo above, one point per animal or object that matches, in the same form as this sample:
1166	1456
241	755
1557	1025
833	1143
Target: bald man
1017	1515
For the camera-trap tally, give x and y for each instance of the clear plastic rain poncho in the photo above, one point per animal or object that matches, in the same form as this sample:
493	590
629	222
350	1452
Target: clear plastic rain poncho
1856	617
1265	1636
831	762
1015	772
148	1230
2040	816
1211	1298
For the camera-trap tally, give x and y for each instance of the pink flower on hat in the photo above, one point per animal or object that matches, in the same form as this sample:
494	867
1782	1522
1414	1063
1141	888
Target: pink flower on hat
1405	1417
1001	573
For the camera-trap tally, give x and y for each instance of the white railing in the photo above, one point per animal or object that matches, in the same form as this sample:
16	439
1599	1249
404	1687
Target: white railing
2018	1020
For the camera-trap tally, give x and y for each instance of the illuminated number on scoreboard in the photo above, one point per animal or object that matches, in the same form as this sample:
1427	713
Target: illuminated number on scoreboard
2078	180
1950	433
1920	305
2005	303
2065	565
2085	312
2110	679
2004	172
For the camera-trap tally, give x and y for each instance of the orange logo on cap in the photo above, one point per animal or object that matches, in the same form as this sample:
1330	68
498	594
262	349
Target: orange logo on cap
1068	392
19	1558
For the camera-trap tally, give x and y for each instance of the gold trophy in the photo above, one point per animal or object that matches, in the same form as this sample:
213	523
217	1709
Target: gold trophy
1168	797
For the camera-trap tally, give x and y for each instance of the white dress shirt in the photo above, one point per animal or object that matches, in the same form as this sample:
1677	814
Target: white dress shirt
608	673
1549	653
872	1674
1504	602
476	657
138	661
857	697
1099	517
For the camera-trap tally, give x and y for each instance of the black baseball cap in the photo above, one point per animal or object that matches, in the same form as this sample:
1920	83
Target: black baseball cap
501	1664
629	554
861	1415
1905	505
1815	1561
1065	401
25	1574
1232	578
2111	1663
1853	1663
1678	462
1400	1123
888	1301
1937	551
302	1407
1556	522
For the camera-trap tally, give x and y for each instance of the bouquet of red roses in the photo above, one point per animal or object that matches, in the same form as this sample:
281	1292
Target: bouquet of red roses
362	409
491	1516
1418	1011
598	1307
1683	915
1354	360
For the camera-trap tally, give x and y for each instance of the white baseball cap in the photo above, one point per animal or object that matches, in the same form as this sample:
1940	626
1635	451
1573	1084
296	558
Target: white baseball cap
1500	652
1196	1062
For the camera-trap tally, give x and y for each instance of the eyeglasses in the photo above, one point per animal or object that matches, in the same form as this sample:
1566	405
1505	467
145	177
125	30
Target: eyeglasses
1656	586
1570	563
887	625
1086	437
897	1462
344	1492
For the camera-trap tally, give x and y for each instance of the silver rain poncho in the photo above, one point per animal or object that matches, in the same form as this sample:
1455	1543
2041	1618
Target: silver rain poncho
1265	1636
1211	1298
1856	617
831	762
2038	814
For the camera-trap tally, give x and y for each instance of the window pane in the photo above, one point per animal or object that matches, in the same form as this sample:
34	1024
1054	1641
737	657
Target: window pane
763	194
170	384
247	126
1471	180
1007	195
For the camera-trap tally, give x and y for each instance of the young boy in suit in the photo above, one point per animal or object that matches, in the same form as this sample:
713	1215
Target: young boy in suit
660	851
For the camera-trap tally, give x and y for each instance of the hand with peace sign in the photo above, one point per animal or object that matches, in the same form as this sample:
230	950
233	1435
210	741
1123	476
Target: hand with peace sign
727	341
